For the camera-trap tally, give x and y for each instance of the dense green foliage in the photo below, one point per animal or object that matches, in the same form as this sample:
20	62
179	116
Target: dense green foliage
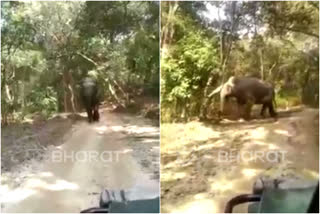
48	47
204	43
187	69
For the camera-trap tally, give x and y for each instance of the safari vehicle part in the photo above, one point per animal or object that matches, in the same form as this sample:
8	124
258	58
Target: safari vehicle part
272	197
117	202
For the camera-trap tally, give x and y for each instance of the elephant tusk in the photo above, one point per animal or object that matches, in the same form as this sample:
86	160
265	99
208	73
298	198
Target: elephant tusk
217	90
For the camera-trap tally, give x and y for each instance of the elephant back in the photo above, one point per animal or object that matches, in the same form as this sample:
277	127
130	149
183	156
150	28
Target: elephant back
254	87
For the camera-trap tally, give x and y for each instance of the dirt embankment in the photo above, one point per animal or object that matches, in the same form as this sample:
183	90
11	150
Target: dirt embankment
205	165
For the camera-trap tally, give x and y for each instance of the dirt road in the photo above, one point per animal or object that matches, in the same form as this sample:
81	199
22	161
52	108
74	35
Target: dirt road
204	165
119	152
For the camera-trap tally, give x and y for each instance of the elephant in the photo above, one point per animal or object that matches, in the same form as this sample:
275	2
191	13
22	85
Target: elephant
248	91
90	99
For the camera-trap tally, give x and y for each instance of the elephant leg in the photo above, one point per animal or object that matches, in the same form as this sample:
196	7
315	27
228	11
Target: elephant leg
272	112
247	111
248	106
264	107
89	113
240	110
95	114
244	111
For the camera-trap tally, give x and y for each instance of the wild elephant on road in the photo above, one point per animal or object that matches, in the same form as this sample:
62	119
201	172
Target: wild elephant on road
90	99
248	91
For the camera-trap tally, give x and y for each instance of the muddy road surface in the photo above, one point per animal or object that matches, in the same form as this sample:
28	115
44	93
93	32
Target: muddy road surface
204	165
121	152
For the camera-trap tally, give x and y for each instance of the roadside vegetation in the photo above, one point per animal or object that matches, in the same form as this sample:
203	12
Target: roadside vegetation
204	43
48	47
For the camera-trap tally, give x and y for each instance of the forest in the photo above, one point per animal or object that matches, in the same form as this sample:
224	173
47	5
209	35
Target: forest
204	43
79	78
48	47
257	53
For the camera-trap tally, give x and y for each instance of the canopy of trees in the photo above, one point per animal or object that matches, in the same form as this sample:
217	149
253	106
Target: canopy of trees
48	47
204	43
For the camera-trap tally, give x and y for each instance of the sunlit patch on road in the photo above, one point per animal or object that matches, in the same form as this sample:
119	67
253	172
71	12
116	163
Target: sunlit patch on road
16	195
250	172
57	186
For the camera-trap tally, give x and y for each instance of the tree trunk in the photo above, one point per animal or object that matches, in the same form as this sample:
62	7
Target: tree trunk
270	77
261	64
206	99
224	55
69	97
203	110
114	94
167	30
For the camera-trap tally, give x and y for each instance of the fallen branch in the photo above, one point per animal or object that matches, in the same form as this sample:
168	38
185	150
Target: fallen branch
122	91
88	59
113	93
